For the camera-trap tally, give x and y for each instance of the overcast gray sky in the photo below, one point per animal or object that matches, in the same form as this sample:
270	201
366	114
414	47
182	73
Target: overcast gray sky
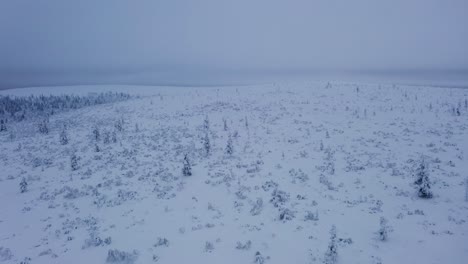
103	36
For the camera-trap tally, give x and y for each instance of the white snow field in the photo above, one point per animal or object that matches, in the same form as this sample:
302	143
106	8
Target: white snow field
305	157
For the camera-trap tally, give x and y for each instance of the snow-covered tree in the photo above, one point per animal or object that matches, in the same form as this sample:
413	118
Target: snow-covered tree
229	147
106	137
331	255
114	137
422	174
119	125
206	124
225	126
187	169
23	185
2	126
63	137
259	259
384	229
43	126
466	189
96	133
74	162
206	144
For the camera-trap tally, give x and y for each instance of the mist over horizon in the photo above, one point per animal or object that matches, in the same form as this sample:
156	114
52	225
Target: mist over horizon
52	42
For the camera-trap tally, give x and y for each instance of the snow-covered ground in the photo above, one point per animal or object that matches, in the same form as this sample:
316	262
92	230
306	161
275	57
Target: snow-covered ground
305	157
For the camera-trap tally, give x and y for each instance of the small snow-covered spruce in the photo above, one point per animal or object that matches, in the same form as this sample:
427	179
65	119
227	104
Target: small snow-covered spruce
321	145
209	247
331	255
384	229
206	144
466	189
225	126
97	148
206	123
119	125
422	180
23	185
43	127
114	137
187	169
74	162
421	172
63	137
106	137
327	135
2	126
96	133
229	147
259	259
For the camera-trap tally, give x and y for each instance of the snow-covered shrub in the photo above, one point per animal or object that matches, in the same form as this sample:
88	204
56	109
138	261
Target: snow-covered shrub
259	259
5	254
96	241
310	216
286	214
268	185
298	175
26	260
209	247
331	255
121	257
279	198
161	242
257	208
245	246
